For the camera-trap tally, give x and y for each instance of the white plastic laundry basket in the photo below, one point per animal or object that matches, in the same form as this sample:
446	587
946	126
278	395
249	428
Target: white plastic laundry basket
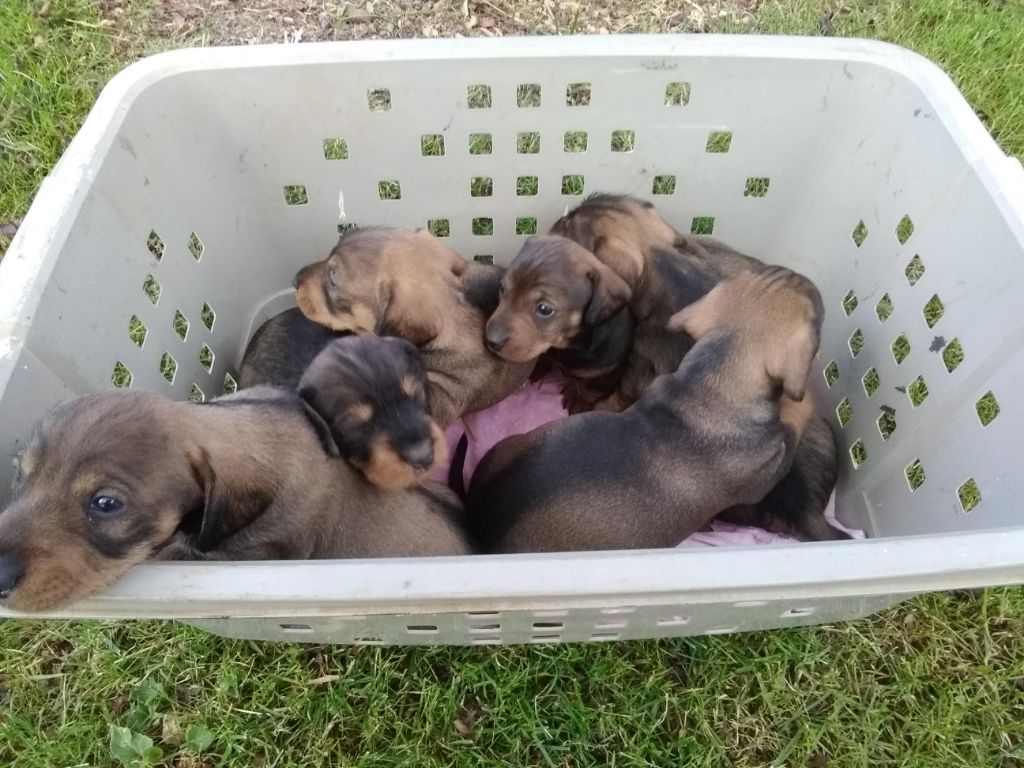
204	178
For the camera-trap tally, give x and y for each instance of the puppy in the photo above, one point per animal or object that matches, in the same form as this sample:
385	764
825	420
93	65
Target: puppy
393	282
372	394
713	435
795	506
281	349
110	479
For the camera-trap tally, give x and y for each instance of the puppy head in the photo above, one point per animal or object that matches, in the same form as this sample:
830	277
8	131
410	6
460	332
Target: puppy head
372	393
619	230
101	485
382	281
553	288
776	316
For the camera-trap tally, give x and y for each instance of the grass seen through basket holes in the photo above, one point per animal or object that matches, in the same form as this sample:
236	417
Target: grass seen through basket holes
935	682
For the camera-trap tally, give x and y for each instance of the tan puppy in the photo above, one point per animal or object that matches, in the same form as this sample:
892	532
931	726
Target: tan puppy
110	479
712	435
393	282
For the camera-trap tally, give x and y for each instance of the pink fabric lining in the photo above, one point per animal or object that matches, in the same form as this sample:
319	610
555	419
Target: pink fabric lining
537	403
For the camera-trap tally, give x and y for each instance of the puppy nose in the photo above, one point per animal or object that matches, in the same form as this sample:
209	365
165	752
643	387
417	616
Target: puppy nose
295	280
420	455
496	339
10	574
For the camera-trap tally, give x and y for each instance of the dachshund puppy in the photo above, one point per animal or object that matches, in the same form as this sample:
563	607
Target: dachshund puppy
715	434
405	283
281	349
372	394
110	479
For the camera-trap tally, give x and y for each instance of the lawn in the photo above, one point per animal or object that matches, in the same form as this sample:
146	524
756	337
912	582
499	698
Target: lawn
938	681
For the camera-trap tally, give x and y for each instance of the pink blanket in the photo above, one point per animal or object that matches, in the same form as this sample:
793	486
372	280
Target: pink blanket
537	403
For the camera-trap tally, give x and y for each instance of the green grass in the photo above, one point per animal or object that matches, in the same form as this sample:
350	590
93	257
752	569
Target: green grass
934	683
937	682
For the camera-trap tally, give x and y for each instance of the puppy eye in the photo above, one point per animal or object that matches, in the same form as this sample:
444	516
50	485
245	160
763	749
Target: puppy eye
104	505
501	290
544	310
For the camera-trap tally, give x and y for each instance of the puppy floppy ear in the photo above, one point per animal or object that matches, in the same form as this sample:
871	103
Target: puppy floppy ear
216	505
609	294
619	256
789	361
442	253
406	315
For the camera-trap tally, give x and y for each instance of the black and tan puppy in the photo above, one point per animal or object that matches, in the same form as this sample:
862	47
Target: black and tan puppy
372	394
110	479
281	350
407	283
717	433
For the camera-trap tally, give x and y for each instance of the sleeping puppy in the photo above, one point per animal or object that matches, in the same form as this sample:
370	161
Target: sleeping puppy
110	479
394	282
372	394
281	349
715	434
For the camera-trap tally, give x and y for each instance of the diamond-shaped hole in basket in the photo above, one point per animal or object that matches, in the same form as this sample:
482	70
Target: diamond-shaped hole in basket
850	303
883	309
575	141
483	226
871	381
677	94
230	385
439	227
844	411
900	348
969	495
917	391
295	194
389	189
481	144
914	270
856	342
195	246
953	355
335	149
152	289
155	244
757	186
121	377
195	394
526	225
914	472
137	331
831	374
528	95
860	233
719	142
484	258
858	454
168	367
481	186
623	140
528	143
432	145
478	97
180	325
663	185
208	316
378	99
206	357
933	311
527	186
904	229
577	95
886	424
702	225
987	408
572	184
